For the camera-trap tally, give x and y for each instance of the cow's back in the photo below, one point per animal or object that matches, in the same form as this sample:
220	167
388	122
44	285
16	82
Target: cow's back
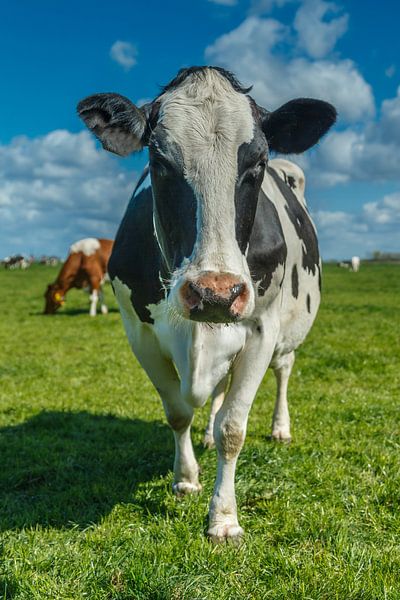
284	185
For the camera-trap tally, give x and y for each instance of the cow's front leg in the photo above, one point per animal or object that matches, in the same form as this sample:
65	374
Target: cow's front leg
186	470
230	430
94	297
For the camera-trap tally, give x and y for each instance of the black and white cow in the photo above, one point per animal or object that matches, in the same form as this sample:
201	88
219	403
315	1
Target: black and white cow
215	266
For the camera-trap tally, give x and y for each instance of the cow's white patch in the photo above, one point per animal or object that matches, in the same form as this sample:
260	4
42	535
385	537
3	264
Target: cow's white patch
94	297
88	246
208	120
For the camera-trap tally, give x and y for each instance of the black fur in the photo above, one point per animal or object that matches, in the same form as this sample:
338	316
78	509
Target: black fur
295	282
298	125
136	258
267	249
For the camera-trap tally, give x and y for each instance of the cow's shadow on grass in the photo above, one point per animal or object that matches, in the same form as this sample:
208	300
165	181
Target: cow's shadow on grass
66	469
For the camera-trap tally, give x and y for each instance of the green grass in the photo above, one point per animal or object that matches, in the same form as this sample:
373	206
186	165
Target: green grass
86	509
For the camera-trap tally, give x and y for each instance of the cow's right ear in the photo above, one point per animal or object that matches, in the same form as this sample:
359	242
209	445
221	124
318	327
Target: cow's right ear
115	121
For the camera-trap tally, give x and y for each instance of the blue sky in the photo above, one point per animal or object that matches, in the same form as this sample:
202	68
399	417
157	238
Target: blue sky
57	185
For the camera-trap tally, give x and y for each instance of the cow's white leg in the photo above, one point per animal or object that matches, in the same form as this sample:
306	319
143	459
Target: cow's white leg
216	403
281	421
230	430
179	413
103	306
163	375
94	296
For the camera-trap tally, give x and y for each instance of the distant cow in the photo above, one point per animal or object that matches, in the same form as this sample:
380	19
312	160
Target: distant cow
16	262
355	263
216	266
85	267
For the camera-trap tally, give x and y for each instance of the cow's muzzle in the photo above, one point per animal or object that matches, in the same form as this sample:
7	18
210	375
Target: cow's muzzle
215	297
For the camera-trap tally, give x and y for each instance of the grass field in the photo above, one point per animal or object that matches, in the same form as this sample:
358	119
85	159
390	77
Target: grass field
86	509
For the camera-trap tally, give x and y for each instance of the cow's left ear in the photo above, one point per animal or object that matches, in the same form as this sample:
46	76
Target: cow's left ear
297	125
115	121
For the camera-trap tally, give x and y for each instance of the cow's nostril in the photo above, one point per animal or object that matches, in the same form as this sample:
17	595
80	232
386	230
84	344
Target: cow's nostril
194	295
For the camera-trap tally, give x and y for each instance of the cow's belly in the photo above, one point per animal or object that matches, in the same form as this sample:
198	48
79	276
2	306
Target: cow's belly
298	313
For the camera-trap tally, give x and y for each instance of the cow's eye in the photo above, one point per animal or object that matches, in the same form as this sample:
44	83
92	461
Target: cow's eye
254	172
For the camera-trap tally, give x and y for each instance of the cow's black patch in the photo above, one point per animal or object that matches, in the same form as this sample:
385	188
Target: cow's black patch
251	168
295	282
267	248
308	302
301	222
175	205
291	181
136	258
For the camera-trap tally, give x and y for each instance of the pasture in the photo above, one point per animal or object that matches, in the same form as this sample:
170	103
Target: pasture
86	509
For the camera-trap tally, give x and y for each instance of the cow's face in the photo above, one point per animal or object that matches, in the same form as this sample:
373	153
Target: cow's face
208	144
54	298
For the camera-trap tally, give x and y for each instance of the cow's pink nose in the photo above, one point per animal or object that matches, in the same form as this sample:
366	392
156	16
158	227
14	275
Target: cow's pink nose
215	297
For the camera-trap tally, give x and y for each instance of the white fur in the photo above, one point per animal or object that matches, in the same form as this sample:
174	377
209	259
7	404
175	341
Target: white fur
88	246
209	121
94	297
355	263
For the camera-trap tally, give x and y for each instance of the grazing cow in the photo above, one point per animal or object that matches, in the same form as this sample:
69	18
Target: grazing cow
355	263
216	266
85	267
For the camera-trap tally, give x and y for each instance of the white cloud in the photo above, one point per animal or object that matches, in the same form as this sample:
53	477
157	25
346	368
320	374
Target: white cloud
56	189
368	154
375	227
124	53
258	52
316	35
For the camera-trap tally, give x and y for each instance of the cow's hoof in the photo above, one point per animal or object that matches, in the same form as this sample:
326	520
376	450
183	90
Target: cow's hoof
184	487
219	534
104	310
208	441
281	436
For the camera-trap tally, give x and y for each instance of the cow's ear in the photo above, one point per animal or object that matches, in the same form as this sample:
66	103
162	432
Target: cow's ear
115	121
297	125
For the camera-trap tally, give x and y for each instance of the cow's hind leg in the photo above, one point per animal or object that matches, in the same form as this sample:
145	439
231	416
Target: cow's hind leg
282	367
103	306
216	403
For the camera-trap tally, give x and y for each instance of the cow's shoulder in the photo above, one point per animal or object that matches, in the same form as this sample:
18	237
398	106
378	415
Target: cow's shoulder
135	258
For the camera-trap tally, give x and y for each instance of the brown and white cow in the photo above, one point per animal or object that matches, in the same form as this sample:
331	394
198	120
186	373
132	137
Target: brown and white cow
85	267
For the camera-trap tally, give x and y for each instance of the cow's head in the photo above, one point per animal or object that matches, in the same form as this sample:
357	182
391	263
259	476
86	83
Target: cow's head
54	298
209	144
